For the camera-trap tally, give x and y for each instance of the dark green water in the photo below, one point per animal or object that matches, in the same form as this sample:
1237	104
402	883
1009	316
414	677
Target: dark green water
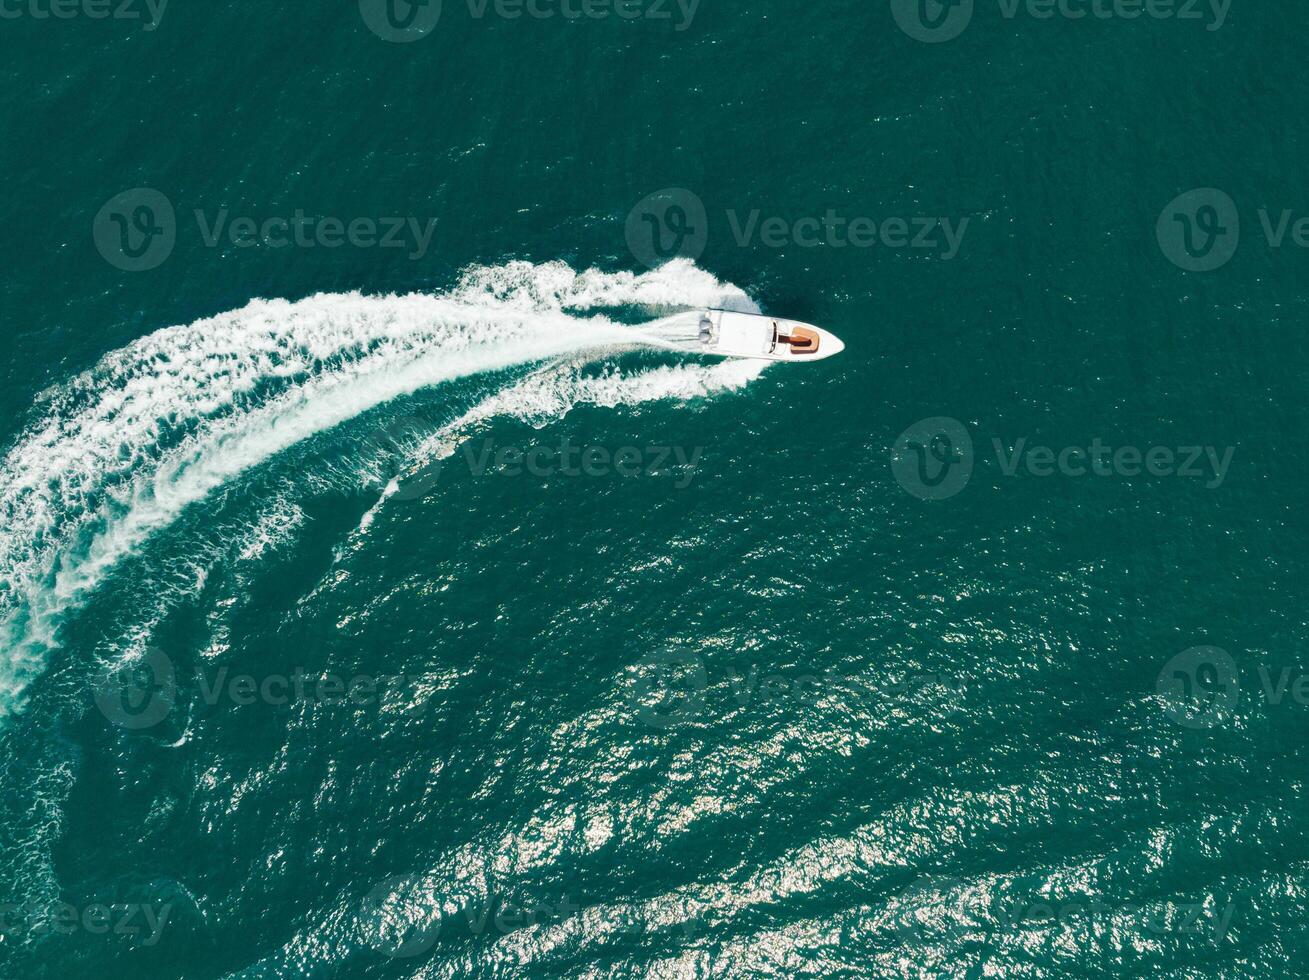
757	707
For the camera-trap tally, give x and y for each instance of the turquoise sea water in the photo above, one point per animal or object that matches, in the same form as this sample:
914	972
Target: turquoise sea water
381	597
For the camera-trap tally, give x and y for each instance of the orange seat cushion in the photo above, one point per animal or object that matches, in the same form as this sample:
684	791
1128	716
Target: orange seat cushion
803	341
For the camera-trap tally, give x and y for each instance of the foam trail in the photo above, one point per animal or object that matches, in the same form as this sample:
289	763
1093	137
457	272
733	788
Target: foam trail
678	332
552	392
124	448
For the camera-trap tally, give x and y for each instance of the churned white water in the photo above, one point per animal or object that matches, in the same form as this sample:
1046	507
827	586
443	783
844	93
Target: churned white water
122	449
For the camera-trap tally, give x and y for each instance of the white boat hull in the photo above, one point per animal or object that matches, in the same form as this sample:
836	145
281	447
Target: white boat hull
768	338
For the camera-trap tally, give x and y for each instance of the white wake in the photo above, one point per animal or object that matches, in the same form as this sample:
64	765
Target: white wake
119	451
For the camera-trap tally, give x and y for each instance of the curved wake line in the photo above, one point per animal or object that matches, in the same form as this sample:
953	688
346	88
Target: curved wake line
124	448
553	391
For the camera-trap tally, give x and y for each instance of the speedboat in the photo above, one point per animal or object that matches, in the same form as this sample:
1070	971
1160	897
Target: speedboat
731	334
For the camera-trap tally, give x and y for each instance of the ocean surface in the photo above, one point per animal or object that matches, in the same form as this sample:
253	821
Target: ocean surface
385	593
